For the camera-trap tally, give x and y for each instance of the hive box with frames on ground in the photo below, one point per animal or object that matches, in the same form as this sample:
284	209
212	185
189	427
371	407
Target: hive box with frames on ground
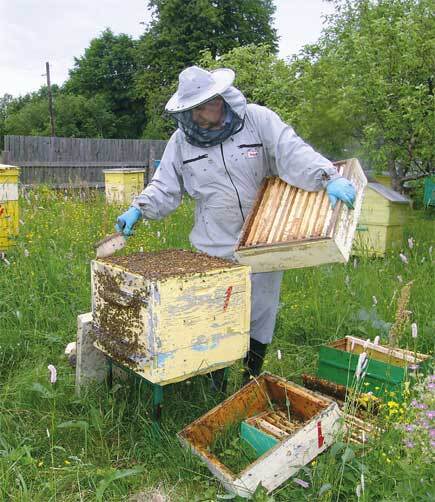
299	423
171	314
291	228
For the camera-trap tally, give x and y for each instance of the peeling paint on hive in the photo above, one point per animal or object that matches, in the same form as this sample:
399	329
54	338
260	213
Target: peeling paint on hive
178	322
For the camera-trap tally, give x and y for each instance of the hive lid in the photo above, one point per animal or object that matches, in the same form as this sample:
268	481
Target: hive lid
124	170
10	170
389	193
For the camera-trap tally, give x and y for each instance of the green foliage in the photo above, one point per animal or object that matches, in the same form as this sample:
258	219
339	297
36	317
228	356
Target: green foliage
107	69
97	438
75	116
379	56
178	33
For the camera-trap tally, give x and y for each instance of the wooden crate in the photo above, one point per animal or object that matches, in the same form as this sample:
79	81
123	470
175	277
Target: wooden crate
291	228
380	228
123	184
319	417
9	212
171	314
359	427
386	370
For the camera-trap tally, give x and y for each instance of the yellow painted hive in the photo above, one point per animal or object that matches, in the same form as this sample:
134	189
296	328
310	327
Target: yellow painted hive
121	185
291	228
384	214
171	314
9	212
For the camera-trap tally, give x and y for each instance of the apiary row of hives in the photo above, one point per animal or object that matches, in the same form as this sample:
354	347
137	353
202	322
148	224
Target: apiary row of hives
8	205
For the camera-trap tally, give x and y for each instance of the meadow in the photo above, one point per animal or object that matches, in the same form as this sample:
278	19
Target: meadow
55	445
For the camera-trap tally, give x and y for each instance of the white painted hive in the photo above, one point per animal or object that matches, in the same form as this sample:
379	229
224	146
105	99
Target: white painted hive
291	228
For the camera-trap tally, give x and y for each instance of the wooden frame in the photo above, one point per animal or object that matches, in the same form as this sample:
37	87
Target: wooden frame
291	228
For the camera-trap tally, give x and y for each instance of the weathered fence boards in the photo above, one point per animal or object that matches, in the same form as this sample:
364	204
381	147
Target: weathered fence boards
77	161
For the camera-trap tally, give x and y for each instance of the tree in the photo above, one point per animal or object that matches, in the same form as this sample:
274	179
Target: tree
5	102
76	116
384	53
181	29
107	69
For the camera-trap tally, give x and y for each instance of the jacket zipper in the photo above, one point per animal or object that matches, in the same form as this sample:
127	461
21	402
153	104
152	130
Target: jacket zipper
232	182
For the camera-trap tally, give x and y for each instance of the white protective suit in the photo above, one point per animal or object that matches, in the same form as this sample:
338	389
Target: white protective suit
224	179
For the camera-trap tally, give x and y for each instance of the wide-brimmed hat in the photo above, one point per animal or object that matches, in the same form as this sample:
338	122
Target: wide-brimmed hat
196	86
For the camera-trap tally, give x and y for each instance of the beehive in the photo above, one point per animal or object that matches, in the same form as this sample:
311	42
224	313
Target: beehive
357	418
123	184
306	427
383	216
171	314
387	367
291	228
8	205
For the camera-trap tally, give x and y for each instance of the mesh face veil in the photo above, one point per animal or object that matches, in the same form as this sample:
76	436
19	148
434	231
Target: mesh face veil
202	137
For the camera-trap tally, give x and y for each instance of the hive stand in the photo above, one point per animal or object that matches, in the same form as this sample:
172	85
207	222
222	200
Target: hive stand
94	365
157	390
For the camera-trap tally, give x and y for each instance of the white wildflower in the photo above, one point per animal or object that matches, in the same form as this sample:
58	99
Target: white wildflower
399	278
361	366
375	300
141	249
53	373
278	353
26	253
158	234
403	258
411	243
363	484
358	491
414	330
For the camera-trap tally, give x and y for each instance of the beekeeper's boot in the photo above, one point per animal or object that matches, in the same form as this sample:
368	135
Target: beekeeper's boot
254	360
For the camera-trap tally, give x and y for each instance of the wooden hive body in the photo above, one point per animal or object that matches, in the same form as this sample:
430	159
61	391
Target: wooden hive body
121	185
170	328
387	367
291	228
383	216
9	212
321	422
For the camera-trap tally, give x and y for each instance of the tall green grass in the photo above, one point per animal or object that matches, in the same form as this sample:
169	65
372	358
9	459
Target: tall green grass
57	446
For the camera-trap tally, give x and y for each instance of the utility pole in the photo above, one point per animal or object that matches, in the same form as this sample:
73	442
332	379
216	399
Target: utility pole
50	100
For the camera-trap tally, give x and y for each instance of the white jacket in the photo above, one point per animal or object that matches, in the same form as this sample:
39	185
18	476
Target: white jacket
219	176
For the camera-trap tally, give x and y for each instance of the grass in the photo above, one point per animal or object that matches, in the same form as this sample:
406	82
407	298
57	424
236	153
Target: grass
100	446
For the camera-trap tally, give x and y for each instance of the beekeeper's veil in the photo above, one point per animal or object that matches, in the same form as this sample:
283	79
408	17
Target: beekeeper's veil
197	86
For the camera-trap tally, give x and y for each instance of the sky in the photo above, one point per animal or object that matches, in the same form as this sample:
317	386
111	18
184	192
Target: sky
34	31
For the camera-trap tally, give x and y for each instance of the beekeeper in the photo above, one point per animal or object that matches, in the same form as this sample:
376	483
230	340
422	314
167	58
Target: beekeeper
220	153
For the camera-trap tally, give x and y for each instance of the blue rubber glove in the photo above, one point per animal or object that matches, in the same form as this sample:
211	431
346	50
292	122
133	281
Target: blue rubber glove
341	189
127	220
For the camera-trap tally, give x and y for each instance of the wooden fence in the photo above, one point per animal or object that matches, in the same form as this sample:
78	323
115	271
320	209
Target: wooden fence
77	162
